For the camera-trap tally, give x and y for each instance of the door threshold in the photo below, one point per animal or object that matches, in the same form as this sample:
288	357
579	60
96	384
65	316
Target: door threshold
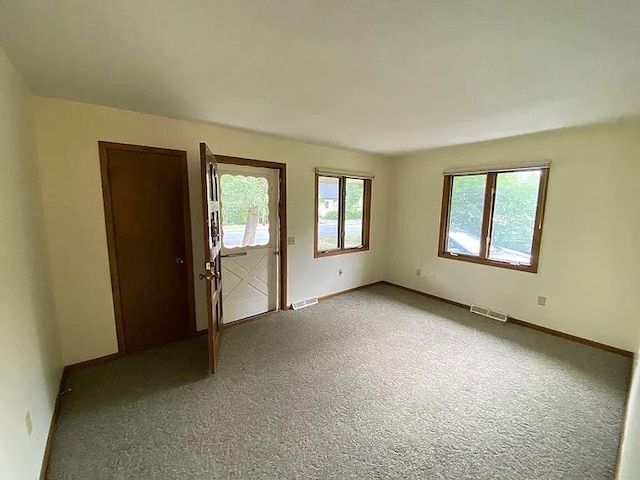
249	319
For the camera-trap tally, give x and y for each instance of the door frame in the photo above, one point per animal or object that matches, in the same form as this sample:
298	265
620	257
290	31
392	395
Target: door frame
282	214
103	148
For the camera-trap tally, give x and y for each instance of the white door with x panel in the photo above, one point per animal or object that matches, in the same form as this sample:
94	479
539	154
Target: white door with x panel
250	233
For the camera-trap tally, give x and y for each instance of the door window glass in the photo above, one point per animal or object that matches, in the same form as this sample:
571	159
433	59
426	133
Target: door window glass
245	210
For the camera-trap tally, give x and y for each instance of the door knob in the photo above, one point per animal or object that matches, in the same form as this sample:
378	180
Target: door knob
180	261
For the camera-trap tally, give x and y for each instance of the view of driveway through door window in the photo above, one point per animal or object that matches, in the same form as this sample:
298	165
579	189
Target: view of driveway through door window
245	210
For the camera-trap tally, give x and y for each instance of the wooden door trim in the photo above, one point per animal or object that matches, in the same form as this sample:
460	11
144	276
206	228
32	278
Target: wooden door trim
103	149
282	212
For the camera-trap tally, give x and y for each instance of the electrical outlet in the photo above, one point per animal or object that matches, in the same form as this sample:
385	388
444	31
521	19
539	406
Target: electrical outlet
542	301
418	272
340	272
27	423
291	240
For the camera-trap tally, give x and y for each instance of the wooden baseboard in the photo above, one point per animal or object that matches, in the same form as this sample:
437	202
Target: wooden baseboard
573	338
522	323
91	363
54	417
349	290
429	295
44	469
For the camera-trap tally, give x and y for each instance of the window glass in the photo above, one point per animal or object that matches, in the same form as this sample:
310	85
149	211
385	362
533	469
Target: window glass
245	210
465	214
353	213
342	214
328	212
508	222
514	215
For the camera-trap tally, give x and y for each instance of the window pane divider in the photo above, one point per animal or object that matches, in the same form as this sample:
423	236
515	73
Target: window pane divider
341	209
487	214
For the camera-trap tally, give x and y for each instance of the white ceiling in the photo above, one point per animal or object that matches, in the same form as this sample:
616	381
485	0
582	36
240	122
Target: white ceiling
384	76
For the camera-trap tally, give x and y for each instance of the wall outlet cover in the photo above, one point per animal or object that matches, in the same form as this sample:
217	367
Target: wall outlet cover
542	301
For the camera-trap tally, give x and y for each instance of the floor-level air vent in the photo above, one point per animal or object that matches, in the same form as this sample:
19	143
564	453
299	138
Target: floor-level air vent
304	303
487	312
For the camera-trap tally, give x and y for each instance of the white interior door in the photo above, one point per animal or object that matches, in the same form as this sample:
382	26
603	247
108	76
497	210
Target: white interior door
250	235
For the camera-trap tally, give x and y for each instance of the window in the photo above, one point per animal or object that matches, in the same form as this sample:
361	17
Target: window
494	218
342	213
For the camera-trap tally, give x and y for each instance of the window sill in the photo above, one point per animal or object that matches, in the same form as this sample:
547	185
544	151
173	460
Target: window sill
490	263
344	251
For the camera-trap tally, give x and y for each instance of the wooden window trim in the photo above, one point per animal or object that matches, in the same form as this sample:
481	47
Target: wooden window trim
366	217
487	219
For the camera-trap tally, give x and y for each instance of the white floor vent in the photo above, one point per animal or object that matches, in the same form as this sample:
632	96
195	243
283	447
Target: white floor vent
304	303
487	312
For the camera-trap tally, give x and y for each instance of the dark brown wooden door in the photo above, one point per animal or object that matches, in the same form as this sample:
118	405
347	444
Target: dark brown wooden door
148	226
212	246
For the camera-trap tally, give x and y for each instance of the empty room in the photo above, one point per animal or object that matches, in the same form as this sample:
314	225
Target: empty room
319	239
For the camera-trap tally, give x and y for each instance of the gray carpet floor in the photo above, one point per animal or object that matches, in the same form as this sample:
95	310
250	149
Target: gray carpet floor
375	384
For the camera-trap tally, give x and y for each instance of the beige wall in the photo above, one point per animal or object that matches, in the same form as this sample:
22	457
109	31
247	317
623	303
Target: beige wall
590	253
68	133
588	258
30	364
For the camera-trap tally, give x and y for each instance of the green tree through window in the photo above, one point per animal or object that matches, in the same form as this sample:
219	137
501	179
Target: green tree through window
245	202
